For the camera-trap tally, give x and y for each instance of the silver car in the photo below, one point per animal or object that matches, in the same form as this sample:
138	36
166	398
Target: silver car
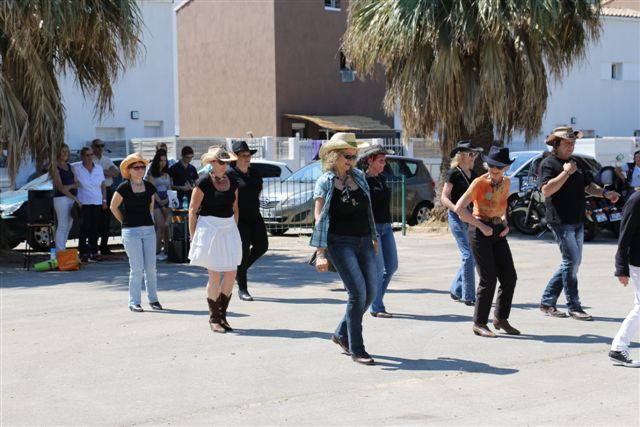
289	204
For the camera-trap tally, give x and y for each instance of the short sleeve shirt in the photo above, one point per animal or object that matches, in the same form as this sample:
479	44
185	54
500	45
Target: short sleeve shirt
90	190
105	163
489	201
215	202
249	189
634	178
565	206
136	205
460	182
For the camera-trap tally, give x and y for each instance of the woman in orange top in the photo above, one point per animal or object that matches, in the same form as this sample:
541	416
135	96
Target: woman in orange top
487	234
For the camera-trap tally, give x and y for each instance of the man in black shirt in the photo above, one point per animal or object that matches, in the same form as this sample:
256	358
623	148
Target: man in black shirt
563	184
628	267
184	175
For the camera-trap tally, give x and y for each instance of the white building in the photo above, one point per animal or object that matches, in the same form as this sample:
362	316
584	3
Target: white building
144	101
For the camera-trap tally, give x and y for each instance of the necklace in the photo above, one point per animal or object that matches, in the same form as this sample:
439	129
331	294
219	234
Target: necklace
345	193
219	178
495	186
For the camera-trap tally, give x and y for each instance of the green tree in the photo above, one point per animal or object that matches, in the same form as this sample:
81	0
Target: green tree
40	40
467	68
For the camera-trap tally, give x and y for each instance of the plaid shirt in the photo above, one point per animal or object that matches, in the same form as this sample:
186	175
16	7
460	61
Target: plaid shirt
324	190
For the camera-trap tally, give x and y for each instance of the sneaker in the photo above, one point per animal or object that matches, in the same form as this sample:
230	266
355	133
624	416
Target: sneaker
622	358
136	308
454	296
580	315
161	256
156	305
363	358
469	303
343	344
552	311
381	314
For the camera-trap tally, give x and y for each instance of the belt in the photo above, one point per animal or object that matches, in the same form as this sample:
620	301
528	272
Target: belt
494	220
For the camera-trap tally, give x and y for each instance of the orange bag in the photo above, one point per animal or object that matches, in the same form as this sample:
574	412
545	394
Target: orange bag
68	260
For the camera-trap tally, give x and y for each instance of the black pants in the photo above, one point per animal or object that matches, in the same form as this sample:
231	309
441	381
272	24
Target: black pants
493	262
254	244
89	222
105	222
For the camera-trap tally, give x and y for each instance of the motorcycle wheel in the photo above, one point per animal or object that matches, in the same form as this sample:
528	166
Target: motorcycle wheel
530	226
590	230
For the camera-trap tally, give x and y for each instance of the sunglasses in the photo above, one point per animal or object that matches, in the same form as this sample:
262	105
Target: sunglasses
99	145
138	168
349	157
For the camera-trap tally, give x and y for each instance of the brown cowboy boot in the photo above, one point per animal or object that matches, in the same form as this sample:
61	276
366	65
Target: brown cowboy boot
214	316
223	301
504	325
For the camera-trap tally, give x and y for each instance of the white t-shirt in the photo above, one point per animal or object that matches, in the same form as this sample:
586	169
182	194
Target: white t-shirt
106	163
90	190
635	176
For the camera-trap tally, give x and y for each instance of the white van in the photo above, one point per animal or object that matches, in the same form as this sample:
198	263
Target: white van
609	151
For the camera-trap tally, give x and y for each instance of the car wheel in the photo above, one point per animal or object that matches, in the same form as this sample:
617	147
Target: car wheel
421	213
40	239
278	231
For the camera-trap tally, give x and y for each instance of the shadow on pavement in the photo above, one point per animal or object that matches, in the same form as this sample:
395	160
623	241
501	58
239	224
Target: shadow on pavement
390	363
416	291
282	333
440	318
300	300
564	339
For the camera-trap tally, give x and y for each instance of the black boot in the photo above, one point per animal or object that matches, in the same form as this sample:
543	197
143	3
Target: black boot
214	316
223	301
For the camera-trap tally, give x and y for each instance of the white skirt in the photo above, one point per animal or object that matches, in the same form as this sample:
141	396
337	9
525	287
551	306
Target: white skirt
216	244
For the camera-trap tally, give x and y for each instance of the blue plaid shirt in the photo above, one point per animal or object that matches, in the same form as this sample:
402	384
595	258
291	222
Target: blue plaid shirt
324	190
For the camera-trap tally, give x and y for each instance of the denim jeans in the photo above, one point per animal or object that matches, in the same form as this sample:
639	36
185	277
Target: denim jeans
386	263
355	261
570	238
140	245
463	285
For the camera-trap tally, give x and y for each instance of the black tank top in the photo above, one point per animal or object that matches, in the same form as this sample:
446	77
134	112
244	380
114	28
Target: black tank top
67	178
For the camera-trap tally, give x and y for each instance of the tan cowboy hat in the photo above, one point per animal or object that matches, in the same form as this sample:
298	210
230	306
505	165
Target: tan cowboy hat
341	141
217	153
131	159
563	132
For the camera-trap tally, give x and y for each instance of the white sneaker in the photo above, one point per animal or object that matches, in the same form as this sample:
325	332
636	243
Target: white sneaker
161	256
623	358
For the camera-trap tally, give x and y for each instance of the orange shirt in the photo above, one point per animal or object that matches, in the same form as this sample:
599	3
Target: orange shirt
488	201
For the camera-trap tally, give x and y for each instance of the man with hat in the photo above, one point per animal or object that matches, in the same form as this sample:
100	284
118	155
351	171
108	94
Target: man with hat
253	232
563	183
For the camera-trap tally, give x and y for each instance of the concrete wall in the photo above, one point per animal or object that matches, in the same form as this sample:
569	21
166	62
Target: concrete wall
147	87
226	68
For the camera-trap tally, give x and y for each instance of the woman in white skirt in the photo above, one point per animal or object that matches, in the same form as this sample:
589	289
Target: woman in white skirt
215	239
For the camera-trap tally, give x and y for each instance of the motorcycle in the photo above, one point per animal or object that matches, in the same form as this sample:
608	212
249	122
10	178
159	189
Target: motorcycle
601	214
527	213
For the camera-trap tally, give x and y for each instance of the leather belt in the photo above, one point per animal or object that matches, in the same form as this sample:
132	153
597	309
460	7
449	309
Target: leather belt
495	220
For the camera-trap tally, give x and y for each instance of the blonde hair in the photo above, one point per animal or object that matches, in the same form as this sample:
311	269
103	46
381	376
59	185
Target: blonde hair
329	160
456	160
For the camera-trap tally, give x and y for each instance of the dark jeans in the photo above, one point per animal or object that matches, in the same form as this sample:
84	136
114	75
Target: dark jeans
493	262
254	244
89	223
105	221
355	261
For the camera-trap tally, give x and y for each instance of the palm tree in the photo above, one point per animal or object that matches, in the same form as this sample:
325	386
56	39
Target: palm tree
464	68
43	39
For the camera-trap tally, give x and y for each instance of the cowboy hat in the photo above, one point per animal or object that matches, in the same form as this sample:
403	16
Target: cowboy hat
341	141
465	145
370	151
498	157
239	146
131	159
563	132
217	153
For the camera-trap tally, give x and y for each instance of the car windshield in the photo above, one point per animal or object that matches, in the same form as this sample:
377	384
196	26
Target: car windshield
309	173
520	159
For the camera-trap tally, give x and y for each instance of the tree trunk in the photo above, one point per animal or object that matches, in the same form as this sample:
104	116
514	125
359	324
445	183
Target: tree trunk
482	137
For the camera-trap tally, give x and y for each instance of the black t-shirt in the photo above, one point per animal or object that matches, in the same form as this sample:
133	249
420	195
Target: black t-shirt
217	203
380	199
136	205
349	217
249	188
629	243
565	206
460	182
181	175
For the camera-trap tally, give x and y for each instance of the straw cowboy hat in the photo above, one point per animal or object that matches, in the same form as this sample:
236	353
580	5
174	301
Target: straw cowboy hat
341	141
464	145
131	159
217	153
498	157
563	132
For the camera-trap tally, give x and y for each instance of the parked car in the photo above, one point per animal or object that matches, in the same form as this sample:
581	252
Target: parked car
289	203
270	170
14	206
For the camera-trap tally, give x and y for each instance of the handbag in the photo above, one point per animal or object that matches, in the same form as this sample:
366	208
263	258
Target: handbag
314	257
75	211
68	260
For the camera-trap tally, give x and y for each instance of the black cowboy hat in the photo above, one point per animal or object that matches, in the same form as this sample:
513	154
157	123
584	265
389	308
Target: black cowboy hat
239	146
498	156
465	145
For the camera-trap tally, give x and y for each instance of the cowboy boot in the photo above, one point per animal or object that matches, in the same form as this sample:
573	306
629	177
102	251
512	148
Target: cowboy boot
505	326
224	304
214	316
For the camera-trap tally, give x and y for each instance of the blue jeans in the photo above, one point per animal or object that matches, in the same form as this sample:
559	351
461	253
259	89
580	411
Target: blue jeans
463	285
140	245
386	263
355	261
570	238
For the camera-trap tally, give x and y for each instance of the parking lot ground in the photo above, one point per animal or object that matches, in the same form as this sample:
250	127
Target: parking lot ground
73	354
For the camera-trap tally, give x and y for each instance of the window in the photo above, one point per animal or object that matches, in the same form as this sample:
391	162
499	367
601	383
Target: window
397	168
347	75
309	173
616	71
332	5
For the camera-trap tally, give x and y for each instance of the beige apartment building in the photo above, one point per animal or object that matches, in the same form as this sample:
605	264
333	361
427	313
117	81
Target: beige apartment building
272	68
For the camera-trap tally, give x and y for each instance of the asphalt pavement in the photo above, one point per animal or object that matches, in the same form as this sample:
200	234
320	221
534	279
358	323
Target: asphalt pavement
73	354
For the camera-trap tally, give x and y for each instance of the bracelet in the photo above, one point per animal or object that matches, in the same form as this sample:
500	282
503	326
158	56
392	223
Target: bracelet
104	200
